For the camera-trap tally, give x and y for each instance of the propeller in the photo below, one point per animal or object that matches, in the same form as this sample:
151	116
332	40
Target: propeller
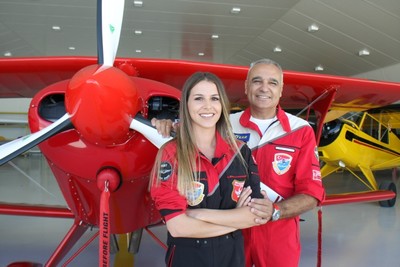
101	102
84	84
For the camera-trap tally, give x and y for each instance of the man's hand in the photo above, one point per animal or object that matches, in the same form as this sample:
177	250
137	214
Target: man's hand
164	126
262	207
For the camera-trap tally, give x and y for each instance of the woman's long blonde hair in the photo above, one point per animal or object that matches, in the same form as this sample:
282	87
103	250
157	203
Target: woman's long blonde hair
186	145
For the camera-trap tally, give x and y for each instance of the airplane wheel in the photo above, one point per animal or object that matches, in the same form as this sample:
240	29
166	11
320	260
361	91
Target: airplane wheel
388	186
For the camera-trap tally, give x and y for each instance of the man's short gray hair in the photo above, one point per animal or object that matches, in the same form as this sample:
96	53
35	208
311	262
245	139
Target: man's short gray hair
265	61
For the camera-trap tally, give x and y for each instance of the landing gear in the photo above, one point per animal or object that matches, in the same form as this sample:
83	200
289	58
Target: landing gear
387	185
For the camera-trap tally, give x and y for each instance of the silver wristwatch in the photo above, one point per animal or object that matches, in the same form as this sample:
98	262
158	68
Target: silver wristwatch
276	213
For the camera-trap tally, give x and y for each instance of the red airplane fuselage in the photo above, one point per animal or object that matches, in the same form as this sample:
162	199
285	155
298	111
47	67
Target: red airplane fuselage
76	160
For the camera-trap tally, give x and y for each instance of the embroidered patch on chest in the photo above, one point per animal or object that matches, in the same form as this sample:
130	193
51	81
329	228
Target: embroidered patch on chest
196	196
281	163
237	189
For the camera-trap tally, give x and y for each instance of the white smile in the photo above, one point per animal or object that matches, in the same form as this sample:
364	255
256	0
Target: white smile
263	97
206	115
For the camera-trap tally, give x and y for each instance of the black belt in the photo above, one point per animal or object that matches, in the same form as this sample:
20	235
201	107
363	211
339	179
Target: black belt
202	242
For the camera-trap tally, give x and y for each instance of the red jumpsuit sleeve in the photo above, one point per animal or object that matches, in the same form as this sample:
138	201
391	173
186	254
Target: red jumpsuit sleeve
165	194
308	175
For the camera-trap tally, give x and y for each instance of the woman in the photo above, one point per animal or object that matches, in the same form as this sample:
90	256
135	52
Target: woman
202	181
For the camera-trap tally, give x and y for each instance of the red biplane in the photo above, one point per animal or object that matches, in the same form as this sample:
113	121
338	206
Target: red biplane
88	115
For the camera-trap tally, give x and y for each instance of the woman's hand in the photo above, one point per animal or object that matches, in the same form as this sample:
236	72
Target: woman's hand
244	198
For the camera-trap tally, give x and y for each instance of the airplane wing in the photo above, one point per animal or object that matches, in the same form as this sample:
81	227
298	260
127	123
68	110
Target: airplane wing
330	96
23	77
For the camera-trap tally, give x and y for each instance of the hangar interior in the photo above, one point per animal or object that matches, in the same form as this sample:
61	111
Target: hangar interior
359	38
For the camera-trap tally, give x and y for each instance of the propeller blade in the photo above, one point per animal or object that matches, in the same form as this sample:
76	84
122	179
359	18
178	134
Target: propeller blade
143	126
10	150
109	24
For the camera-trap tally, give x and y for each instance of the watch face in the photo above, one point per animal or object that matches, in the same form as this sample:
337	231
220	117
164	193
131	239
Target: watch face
276	215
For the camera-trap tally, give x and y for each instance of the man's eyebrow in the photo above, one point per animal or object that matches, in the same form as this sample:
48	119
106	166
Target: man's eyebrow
260	78
274	80
256	78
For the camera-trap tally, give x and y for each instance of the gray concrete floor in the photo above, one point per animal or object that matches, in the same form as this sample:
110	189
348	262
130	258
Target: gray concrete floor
362	234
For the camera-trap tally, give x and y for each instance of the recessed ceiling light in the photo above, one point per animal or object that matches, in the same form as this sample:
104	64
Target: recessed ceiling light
71	48
201	54
319	68
277	49
56	28
214	36
7	54
363	52
137	3
138	51
235	10
313	28
138	32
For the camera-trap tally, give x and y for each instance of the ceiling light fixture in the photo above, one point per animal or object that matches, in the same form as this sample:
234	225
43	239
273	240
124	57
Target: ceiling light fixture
313	28
214	36
56	28
7	54
201	54
319	68
235	10
277	49
71	48
363	52
138	32
138	51
137	3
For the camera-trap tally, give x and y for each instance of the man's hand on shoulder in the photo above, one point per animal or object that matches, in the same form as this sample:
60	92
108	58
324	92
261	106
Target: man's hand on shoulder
163	126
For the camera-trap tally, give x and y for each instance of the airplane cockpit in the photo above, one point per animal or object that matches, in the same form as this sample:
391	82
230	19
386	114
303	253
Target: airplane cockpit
376	129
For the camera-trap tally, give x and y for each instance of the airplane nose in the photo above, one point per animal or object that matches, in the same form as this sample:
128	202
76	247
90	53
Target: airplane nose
102	104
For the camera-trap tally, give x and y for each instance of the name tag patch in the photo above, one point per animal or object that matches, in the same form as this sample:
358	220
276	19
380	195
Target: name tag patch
245	137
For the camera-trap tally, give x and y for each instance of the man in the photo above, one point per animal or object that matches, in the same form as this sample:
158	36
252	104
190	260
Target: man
284	148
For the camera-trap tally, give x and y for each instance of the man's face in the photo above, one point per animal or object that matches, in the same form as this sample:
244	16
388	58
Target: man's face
263	88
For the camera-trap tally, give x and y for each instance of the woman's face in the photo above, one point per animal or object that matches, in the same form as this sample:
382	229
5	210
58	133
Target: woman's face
204	105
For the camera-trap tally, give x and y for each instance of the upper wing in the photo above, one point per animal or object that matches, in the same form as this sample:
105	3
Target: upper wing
23	77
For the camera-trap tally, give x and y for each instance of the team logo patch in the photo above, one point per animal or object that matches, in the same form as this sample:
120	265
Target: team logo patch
237	189
196	196
316	175
281	163
245	137
165	170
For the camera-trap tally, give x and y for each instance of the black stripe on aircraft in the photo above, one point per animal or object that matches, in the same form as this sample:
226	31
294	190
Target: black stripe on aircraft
351	136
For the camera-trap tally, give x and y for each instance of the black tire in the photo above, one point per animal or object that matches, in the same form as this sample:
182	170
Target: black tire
388	186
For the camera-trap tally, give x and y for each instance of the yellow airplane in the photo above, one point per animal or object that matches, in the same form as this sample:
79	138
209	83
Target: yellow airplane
362	141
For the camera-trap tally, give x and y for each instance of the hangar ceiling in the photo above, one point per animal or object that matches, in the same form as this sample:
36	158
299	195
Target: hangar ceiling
184	29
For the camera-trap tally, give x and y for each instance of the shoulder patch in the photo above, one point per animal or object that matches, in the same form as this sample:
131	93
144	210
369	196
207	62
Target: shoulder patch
316	175
165	170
